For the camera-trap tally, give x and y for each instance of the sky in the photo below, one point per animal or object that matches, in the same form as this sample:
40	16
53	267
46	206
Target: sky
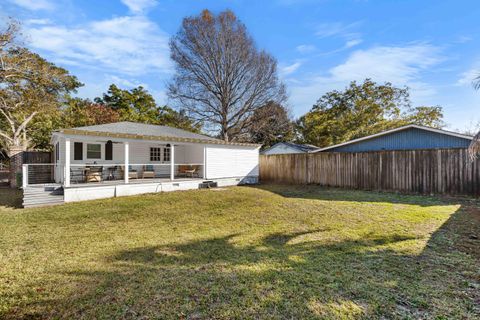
431	46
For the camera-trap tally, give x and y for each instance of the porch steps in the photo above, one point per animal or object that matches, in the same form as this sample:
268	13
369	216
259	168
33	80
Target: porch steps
43	195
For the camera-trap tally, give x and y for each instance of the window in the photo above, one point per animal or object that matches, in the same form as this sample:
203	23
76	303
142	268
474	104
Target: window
77	151
94	151
109	150
166	153
155	154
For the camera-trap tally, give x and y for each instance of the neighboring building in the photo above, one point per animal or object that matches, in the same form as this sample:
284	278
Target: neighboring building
408	137
125	158
288	147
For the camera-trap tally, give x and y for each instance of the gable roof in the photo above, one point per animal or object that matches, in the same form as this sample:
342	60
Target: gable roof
134	130
296	146
410	126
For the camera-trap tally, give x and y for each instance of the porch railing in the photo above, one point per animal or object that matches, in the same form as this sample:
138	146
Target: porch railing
103	173
42	173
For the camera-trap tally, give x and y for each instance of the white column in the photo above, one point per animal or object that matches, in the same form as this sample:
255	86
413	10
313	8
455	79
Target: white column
126	161
205	162
66	180
172	162
24	175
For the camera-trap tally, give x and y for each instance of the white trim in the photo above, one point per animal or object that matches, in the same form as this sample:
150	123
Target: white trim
172	162
448	133
67	162
126	160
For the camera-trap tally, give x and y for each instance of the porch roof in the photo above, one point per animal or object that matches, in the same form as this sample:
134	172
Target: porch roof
142	131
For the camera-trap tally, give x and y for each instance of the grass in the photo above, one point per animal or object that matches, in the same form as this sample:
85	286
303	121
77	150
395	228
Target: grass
243	252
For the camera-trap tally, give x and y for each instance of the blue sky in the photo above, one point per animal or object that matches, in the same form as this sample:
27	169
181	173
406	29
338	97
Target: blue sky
431	46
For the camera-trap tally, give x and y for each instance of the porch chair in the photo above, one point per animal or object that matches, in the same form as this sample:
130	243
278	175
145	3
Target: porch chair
148	172
94	174
187	170
132	173
182	170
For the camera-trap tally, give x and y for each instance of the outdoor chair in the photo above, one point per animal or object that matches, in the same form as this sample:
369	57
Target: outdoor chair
186	170
132	173
94	174
148	172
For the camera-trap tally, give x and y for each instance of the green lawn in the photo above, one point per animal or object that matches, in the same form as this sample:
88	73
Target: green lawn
243	252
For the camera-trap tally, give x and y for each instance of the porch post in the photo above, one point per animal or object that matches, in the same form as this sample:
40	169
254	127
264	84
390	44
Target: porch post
204	162
172	162
66	180
126	162
24	175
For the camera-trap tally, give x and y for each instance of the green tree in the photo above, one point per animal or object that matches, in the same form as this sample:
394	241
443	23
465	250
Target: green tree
83	112
30	87
138	105
474	148
361	110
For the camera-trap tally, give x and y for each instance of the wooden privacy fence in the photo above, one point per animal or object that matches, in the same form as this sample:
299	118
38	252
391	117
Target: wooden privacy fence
441	171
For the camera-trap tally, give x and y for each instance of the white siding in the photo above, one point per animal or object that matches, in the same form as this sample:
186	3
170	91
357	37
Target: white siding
231	161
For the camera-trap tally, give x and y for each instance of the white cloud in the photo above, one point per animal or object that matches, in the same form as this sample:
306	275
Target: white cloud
34	4
139	6
37	22
340	29
305	48
468	77
130	45
402	66
395	64
289	69
353	43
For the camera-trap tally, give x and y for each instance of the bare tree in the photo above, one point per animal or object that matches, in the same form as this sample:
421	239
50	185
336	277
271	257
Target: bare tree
29	85
474	148
221	77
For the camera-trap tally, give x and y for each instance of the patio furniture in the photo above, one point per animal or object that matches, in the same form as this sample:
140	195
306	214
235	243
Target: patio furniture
94	174
132	173
187	170
148	172
111	173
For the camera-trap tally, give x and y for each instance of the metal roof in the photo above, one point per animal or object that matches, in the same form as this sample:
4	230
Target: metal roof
449	133
142	131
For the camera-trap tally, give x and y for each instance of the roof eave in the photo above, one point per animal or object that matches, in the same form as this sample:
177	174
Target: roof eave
454	134
151	138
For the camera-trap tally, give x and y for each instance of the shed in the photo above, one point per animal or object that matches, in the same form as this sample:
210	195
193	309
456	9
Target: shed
410	137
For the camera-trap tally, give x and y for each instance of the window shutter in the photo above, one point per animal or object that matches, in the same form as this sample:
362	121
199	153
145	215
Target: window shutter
78	151
109	150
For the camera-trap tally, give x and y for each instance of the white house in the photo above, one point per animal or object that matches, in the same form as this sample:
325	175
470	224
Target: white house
289	147
127	158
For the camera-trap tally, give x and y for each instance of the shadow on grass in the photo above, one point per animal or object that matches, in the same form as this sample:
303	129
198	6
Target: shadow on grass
10	198
287	275
316	192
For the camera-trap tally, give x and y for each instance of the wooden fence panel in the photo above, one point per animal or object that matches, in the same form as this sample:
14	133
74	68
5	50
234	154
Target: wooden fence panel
442	171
